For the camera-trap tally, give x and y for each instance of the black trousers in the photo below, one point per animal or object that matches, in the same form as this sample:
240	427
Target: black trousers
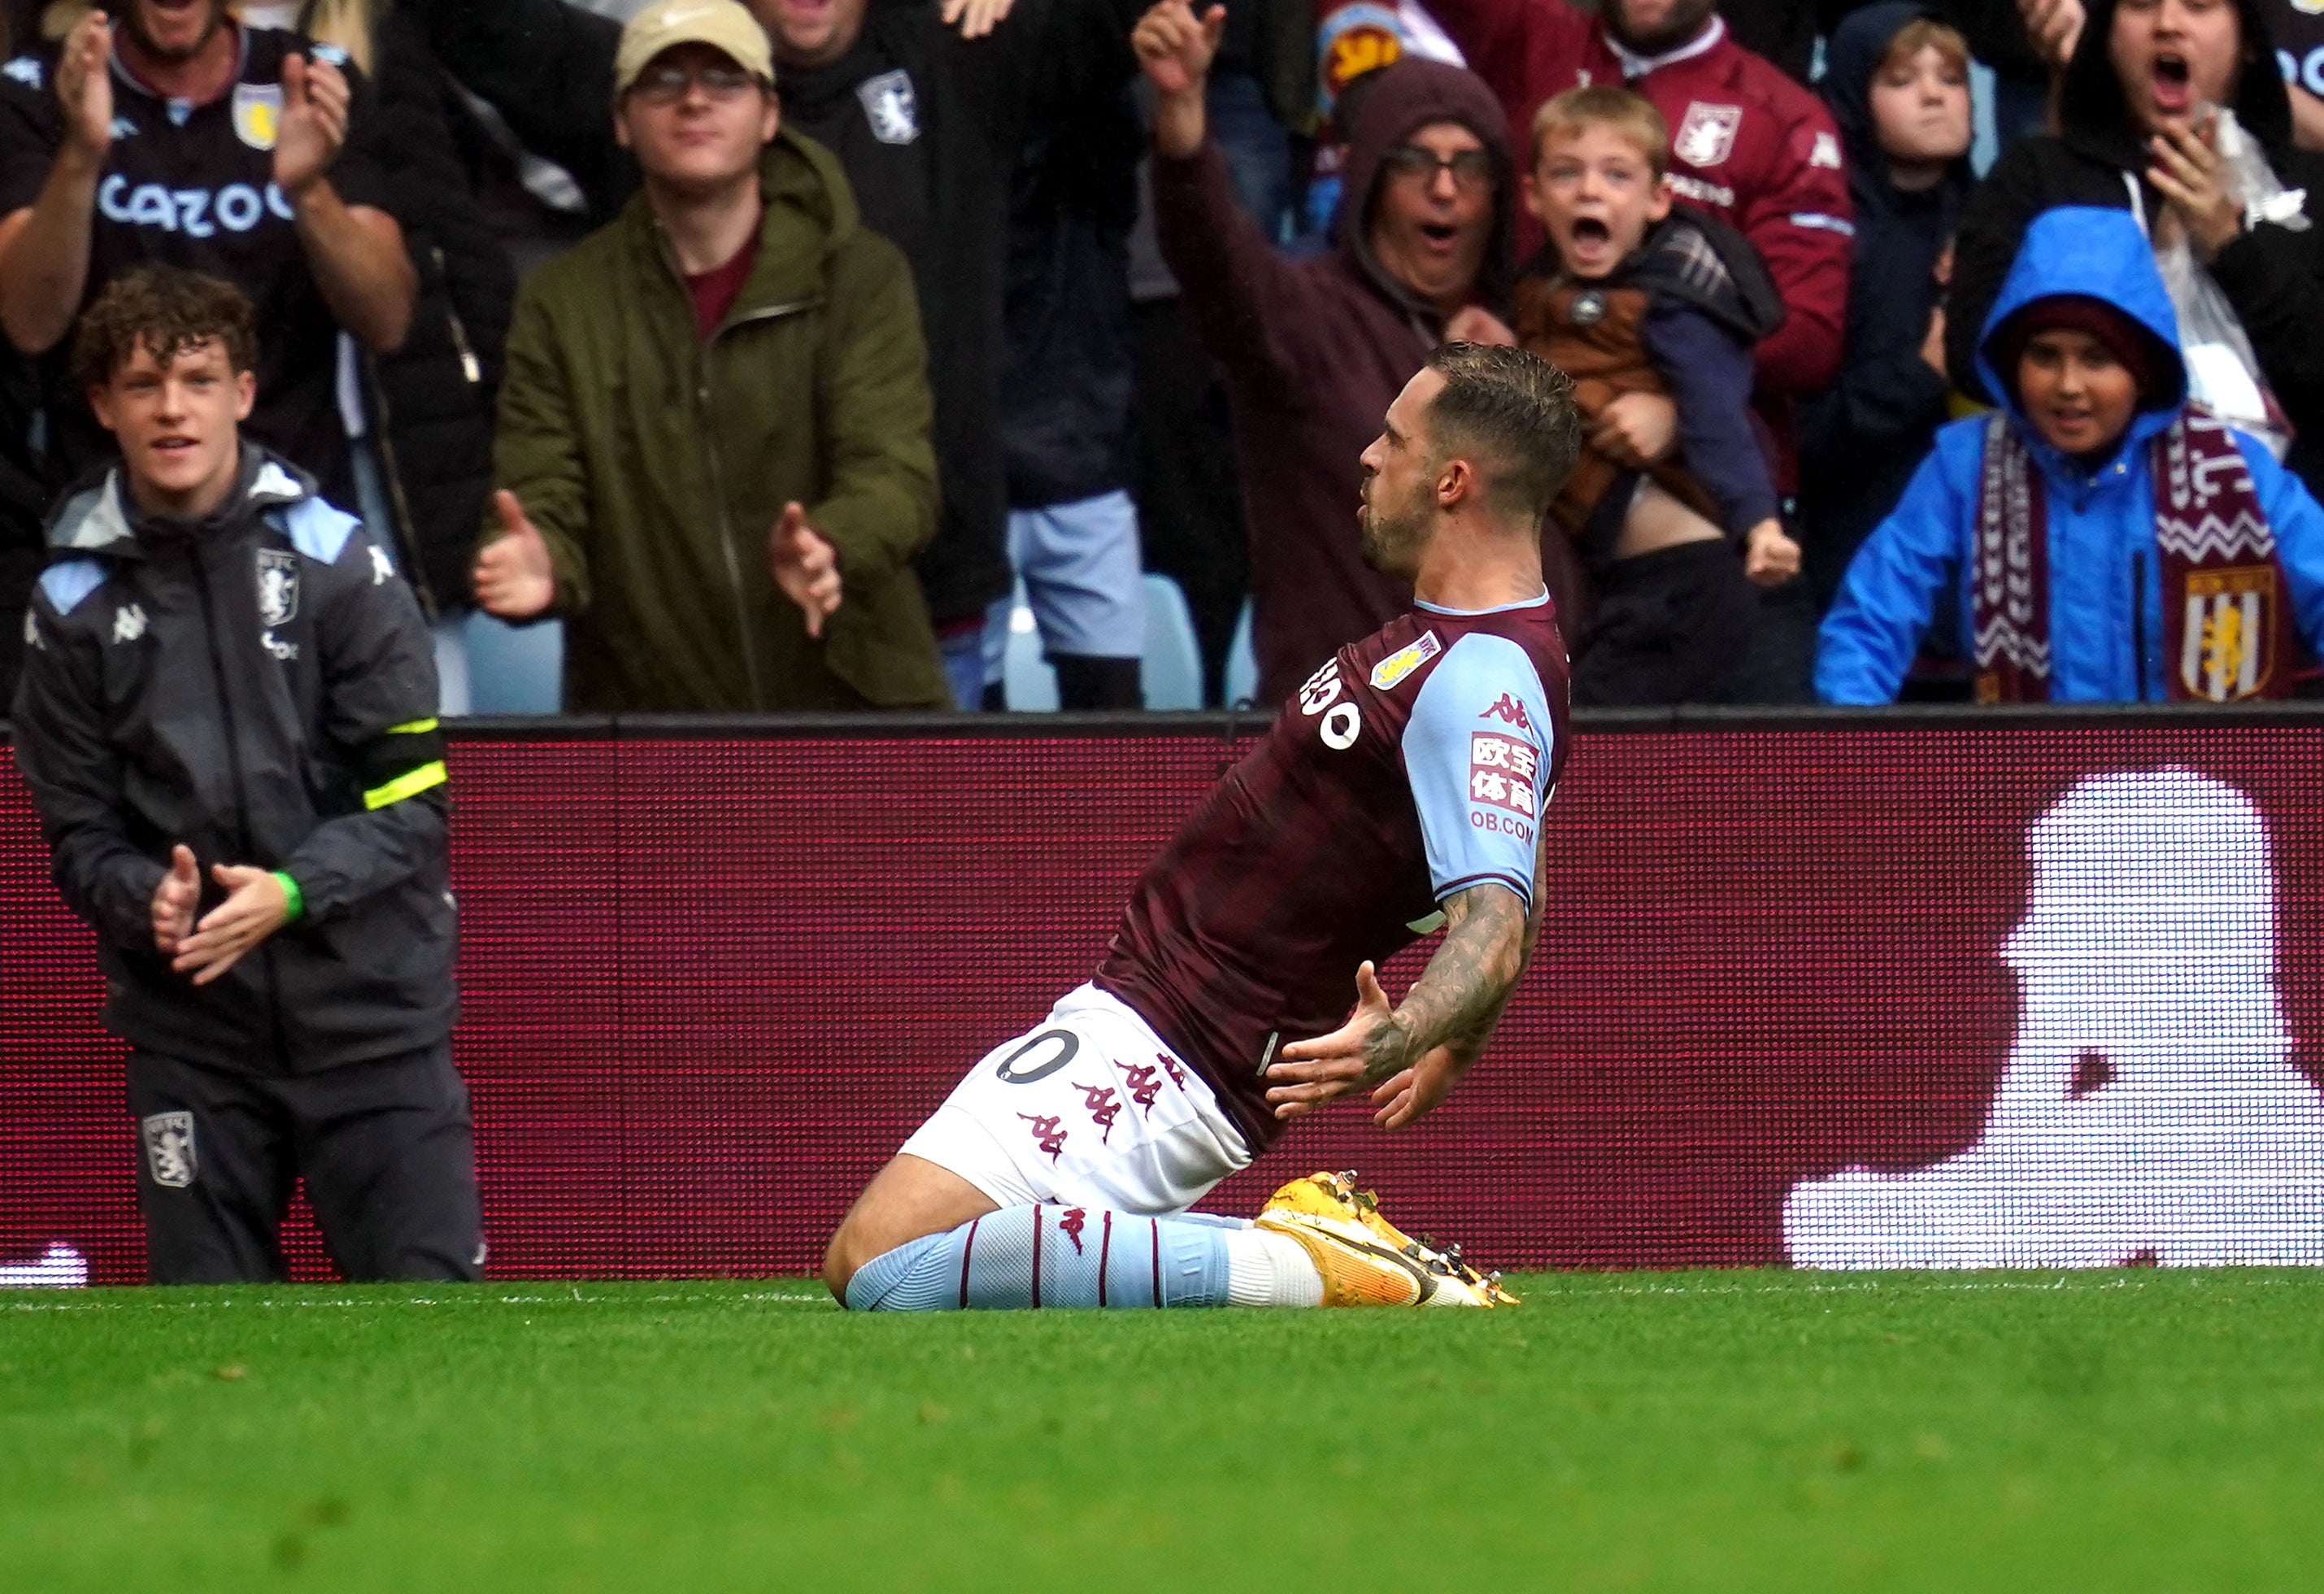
1670	627
385	1146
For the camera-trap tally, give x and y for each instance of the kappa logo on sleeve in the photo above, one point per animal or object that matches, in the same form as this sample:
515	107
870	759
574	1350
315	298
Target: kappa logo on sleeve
1510	711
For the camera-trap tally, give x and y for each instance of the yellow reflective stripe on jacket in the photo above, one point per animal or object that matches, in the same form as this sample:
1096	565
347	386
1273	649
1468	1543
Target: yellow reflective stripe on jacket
410	783
414	727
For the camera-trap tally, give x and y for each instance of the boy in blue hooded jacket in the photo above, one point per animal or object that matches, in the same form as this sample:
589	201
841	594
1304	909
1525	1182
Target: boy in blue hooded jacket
2108	541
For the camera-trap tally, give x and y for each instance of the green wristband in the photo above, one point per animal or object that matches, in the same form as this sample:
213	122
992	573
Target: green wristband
294	900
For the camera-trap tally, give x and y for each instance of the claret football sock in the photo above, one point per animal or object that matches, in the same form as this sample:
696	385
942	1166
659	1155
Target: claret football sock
1050	1256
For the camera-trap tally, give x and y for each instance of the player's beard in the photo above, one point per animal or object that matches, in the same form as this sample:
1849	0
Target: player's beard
1391	540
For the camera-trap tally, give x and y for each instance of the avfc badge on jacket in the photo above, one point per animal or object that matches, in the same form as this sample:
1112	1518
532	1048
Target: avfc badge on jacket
257	114
1706	133
2226	651
278	586
170	1148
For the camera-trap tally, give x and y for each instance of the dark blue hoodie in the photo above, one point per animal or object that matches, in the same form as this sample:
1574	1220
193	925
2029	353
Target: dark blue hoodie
1860	440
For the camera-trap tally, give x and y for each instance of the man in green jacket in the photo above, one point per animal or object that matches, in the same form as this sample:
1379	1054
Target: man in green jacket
714	453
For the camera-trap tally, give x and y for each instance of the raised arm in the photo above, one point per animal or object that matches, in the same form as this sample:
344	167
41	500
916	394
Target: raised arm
355	250
44	246
1248	302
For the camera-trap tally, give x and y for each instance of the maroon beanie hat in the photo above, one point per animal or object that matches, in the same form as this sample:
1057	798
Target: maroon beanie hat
2160	381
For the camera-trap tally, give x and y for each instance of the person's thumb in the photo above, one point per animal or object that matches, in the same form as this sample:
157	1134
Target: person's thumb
794	522
511	511
1368	989
1215	26
182	867
294	80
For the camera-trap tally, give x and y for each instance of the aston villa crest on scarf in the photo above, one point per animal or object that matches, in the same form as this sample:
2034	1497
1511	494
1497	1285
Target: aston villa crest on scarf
2227	648
278	586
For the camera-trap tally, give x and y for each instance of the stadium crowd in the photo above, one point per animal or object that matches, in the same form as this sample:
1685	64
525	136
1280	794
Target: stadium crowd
802	355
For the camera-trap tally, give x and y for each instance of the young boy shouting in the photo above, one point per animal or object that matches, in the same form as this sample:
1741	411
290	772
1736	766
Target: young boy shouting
227	720
1635	301
2108	541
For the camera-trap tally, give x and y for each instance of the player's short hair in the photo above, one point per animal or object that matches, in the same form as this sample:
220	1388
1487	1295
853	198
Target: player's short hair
167	310
1513	415
1917	35
1630	114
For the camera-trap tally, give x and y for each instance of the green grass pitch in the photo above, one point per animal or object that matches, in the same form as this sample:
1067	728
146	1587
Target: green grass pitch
1746	1431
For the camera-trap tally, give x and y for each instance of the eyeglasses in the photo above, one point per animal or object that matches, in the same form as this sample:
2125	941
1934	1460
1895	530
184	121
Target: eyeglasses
666	84
1471	169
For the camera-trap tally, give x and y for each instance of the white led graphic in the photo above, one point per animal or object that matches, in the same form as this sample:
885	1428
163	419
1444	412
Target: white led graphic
2149	1109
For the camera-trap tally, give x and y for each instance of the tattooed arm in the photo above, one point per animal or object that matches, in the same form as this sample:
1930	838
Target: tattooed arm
1411	1056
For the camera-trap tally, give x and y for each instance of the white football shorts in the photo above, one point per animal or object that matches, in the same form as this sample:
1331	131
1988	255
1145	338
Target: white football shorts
1089	1110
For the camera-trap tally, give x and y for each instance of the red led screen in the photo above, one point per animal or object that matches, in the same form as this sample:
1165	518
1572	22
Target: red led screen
1864	995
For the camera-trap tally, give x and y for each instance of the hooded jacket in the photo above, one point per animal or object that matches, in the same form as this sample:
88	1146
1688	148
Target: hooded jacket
1861	438
656	462
2105	581
1314	351
259	686
2273	276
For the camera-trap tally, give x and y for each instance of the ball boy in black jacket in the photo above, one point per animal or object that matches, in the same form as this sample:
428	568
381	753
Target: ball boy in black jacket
226	720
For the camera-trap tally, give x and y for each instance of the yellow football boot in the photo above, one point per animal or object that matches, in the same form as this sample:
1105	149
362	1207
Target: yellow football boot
1365	1259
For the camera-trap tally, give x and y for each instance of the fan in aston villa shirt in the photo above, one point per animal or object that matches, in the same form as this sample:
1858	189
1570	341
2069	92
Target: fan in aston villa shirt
1402	788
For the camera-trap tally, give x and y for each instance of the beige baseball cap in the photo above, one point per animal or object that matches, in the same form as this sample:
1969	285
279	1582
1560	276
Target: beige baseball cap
722	25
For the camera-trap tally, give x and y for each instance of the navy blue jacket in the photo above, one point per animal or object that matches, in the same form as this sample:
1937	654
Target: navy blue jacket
260	687
1861	439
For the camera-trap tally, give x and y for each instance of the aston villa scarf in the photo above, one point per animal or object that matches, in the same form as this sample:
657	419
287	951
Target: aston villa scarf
2223	590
